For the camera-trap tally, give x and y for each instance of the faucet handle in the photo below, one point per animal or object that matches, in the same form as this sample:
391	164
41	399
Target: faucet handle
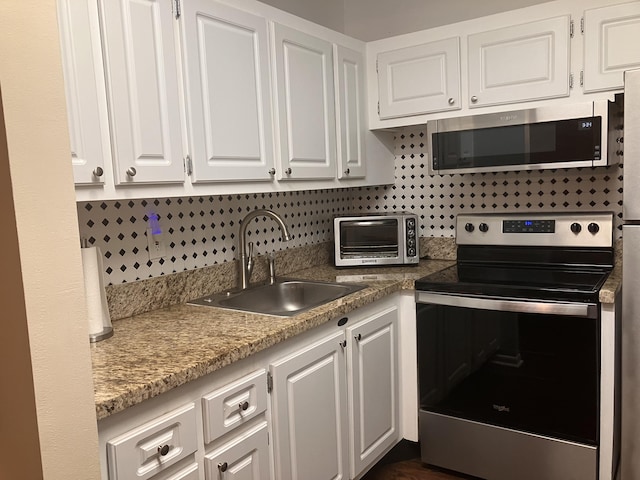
271	256
250	258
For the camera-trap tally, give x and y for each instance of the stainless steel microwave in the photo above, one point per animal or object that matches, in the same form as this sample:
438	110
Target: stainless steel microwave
388	239
573	135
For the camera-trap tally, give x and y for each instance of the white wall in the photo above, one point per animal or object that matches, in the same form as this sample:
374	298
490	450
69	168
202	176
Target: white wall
375	19
44	330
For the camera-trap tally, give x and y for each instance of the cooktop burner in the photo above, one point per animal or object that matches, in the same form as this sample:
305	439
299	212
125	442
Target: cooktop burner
563	257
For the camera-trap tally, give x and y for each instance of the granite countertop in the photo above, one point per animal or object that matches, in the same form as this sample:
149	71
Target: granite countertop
154	352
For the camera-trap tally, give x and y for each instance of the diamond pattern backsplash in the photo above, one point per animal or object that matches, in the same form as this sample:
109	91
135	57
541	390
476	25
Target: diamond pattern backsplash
201	231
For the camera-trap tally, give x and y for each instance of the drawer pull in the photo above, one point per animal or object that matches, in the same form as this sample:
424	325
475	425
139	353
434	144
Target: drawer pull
358	337
244	406
163	450
223	467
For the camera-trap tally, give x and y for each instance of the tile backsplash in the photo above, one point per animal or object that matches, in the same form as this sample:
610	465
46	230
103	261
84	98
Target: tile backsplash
202	231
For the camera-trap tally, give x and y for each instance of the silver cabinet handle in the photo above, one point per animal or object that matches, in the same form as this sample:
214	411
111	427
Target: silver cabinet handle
98	172
347	171
288	171
358	337
131	171
474	99
272	171
244	406
451	101
223	466
163	450
343	343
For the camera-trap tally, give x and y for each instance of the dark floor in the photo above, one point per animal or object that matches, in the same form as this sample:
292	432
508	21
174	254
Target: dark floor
403	463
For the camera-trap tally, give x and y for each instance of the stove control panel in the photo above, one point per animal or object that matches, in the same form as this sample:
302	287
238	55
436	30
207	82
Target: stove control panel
537	229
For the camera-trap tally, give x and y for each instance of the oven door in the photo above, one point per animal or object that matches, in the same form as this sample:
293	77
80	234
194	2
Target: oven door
507	375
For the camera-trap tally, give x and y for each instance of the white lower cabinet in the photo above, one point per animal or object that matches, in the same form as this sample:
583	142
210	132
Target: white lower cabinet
243	457
309	402
373	374
335	402
332	411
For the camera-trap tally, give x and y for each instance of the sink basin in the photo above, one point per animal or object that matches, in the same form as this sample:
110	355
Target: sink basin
285	297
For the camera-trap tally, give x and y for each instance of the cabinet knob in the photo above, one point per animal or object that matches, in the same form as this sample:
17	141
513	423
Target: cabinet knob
474	99
163	450
98	172
343	343
451	101
131	171
358	337
244	406
347	171
272	171
288	171
223	467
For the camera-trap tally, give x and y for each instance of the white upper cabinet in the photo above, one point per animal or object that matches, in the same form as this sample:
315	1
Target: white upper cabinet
419	79
228	91
612	45
143	91
520	63
350	101
85	90
305	105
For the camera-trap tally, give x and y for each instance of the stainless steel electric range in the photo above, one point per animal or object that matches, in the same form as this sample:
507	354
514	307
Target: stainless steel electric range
509	348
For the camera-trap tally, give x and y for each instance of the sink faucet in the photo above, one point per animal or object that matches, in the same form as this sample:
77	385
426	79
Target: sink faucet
246	252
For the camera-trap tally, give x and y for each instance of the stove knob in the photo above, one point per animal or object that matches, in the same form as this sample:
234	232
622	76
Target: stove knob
576	227
593	228
469	227
483	227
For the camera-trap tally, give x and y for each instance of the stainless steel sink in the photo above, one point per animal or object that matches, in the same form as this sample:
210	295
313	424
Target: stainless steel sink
285	297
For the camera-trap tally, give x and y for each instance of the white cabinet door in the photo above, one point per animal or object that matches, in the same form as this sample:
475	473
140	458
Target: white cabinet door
142	79
611	45
305	105
419	79
350	101
519	63
85	89
373	387
228	92
309	412
244	457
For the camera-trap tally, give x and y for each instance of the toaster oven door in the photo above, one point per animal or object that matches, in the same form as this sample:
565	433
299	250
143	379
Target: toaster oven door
370	238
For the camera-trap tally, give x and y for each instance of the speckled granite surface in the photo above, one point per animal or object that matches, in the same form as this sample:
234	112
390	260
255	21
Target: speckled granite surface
153	352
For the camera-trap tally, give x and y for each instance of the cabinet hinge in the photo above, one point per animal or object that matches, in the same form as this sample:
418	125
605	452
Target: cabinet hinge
376	66
176	10
571	29
582	25
571	80
582	78
269	382
378	108
188	166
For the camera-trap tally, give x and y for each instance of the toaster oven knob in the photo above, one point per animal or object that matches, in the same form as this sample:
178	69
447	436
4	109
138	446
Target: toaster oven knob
483	227
411	242
411	233
469	227
576	227
593	228
411	252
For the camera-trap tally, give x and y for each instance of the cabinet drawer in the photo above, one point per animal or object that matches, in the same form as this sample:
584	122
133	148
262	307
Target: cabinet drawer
234	404
154	446
244	457
192	472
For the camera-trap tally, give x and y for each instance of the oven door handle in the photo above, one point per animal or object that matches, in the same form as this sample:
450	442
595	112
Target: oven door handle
586	310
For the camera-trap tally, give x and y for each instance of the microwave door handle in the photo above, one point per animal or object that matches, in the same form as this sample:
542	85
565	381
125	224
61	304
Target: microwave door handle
549	308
